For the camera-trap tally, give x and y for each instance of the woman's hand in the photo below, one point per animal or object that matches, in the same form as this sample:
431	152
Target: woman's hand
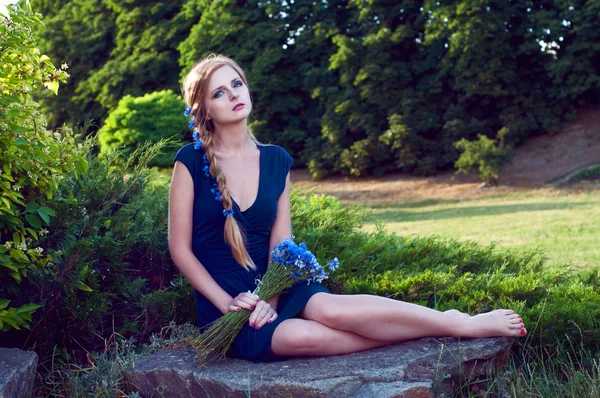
262	314
243	300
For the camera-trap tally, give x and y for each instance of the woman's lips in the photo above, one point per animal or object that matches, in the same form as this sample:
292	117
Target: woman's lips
238	107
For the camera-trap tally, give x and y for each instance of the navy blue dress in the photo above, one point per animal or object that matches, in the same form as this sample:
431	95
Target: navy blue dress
215	255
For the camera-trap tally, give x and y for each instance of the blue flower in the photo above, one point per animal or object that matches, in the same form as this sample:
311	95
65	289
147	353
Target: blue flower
206	169
333	264
218	196
228	213
198	145
195	135
187	111
191	124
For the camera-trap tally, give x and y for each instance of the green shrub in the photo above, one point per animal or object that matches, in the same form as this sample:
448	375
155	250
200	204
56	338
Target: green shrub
110	270
33	161
151	117
485	156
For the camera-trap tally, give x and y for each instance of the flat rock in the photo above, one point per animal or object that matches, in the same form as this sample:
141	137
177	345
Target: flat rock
17	372
419	368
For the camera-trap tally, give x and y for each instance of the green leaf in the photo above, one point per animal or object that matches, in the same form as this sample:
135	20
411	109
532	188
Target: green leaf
47	210
18	255
82	286
32	206
32	233
44	216
52	86
28	308
16	276
4	303
34	220
81	165
10	318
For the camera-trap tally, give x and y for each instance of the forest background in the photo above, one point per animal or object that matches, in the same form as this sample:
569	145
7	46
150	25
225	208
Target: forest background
354	87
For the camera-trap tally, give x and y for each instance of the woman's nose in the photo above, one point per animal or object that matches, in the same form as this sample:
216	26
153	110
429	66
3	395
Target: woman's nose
234	95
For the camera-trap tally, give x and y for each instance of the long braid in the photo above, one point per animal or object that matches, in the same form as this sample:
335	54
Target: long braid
194	89
233	234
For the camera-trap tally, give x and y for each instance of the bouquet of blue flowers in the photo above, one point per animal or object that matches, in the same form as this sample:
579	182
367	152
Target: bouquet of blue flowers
290	263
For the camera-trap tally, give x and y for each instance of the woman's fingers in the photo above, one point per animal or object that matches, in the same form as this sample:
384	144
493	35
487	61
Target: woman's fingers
261	315
246	300
273	317
267	318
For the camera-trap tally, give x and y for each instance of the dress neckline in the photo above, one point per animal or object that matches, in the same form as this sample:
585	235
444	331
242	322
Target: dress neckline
260	178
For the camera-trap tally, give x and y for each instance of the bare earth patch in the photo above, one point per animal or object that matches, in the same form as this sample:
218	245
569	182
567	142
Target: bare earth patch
539	161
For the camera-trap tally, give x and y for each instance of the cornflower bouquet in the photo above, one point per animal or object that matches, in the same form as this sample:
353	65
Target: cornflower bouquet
290	263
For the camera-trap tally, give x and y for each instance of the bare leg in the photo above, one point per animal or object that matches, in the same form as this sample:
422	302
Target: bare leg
295	337
384	319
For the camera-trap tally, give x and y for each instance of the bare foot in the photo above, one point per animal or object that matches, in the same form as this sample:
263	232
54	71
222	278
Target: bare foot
457	313
495	323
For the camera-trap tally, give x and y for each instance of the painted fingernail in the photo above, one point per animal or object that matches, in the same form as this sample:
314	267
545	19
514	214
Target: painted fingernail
522	331
251	324
270	320
251	307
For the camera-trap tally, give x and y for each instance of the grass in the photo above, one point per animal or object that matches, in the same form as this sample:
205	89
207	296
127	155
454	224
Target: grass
563	224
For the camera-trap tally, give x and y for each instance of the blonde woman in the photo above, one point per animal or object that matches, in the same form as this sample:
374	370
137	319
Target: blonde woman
230	204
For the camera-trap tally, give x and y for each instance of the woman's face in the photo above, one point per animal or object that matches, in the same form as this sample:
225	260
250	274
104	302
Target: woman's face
228	99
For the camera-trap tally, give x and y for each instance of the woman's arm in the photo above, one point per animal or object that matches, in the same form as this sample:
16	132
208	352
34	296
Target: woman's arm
181	205
282	227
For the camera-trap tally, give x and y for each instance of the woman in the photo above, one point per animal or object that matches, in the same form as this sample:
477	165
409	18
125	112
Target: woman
230	205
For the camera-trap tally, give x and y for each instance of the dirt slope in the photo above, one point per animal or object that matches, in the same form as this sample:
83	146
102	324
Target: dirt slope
545	158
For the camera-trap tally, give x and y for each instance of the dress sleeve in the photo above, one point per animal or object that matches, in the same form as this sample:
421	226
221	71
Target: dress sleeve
189	157
288	161
282	162
185	156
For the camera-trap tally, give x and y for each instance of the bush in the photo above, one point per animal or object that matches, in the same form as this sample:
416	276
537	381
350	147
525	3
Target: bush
110	270
149	118
33	162
484	156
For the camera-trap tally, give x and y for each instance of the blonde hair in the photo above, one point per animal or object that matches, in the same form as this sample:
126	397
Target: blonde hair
194	89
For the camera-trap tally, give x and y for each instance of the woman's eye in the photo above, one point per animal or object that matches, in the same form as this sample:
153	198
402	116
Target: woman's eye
235	84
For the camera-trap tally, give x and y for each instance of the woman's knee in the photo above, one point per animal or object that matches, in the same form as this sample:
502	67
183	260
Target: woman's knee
294	336
329	310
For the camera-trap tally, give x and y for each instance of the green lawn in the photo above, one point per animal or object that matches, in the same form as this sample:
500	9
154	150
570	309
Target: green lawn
565	225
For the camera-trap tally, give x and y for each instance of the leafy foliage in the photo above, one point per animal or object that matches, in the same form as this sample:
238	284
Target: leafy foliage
33	159
110	269
347	87
151	117
484	156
